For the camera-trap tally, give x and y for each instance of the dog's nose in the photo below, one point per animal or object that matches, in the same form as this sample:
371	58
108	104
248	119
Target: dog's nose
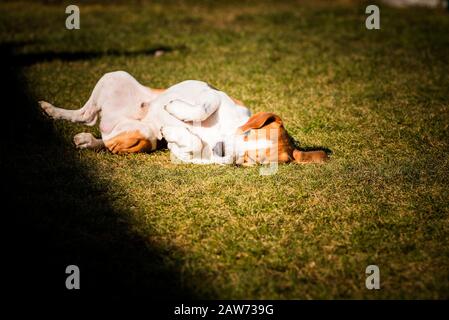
218	149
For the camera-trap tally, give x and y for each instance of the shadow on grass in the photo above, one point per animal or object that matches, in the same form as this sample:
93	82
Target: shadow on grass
27	59
310	148
316	148
60	216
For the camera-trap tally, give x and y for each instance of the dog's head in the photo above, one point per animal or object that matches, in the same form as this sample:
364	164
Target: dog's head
264	132
268	141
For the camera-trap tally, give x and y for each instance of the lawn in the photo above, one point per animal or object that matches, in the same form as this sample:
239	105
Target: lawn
142	225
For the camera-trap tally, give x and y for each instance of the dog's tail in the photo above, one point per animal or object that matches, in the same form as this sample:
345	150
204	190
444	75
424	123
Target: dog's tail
318	156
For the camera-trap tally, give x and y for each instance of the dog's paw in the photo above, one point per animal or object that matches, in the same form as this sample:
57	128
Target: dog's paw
83	140
168	133
47	108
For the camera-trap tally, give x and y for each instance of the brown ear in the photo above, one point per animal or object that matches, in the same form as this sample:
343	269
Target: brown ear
317	156
260	120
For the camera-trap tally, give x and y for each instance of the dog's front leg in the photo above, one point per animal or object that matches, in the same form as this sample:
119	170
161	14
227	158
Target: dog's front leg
185	111
185	145
85	140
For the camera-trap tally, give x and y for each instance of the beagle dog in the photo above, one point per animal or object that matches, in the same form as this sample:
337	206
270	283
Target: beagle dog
200	123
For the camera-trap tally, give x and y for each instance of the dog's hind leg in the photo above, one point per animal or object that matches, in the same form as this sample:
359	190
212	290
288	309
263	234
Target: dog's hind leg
87	115
85	140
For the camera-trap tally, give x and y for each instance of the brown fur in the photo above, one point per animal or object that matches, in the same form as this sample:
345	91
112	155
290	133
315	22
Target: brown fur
261	126
128	142
158	91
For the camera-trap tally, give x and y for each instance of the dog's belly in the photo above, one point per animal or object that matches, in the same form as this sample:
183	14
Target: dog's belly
120	97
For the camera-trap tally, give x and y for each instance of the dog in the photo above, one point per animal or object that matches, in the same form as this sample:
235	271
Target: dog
200	123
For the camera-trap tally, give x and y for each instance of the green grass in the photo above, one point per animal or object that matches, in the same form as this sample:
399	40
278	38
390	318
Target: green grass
378	99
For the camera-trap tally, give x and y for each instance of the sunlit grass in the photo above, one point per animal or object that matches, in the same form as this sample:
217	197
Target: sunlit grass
377	99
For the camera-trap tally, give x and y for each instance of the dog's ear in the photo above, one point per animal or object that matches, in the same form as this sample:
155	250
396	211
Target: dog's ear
259	120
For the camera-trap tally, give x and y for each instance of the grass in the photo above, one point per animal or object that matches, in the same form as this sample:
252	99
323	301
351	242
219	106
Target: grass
377	99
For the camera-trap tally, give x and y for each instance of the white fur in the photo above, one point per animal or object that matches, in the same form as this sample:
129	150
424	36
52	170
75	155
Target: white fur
191	115
118	97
